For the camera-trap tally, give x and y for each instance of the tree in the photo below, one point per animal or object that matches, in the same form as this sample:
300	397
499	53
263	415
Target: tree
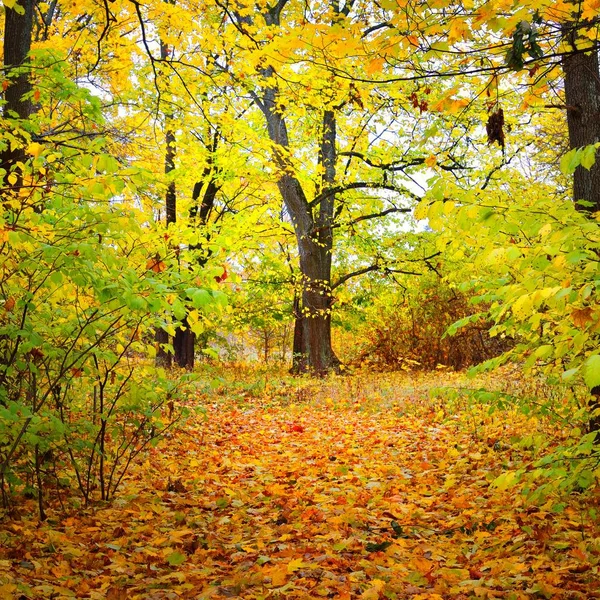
18	32
582	100
315	201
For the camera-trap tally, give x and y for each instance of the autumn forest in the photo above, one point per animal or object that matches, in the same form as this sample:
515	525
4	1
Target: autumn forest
300	298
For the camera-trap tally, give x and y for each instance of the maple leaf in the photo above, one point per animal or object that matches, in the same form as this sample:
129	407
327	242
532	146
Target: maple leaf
156	264
582	316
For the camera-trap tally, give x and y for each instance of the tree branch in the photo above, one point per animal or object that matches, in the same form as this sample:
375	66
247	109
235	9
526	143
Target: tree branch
360	185
385	269
383	213
398	166
369	269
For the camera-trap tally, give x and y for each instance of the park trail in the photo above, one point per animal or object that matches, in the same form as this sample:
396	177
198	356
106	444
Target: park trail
347	490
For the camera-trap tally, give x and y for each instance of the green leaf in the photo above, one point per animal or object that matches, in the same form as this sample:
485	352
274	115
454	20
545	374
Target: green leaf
570	161
543	352
588	156
585	479
591	371
176	558
210	352
378	547
569	374
199	298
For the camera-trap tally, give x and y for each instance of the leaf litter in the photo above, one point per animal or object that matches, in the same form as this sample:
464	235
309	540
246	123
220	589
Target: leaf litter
361	487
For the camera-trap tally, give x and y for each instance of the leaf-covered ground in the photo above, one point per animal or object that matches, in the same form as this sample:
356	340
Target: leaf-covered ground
356	489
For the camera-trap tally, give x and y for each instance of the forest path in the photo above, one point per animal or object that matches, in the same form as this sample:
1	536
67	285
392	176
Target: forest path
329	493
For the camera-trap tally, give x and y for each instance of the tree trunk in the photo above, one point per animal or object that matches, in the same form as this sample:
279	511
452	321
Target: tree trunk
184	346
163	357
312	349
18	31
312	333
315	353
299	356
594	406
582	97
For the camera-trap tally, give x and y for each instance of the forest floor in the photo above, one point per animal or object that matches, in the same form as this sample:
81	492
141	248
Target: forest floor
360	487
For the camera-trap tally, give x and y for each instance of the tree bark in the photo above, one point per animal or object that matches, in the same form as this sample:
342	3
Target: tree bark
582	97
312	333
594	406
18	32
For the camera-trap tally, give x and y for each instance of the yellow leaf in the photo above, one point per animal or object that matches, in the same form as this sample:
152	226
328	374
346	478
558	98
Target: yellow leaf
375	65
278	575
373	592
296	564
431	161
35	149
421	210
459	29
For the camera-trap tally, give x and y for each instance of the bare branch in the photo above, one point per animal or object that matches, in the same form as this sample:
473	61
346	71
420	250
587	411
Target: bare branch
376	267
400	165
378	215
384	268
374	28
361	185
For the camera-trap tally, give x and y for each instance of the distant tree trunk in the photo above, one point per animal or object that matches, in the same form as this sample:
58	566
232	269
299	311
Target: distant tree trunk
163	357
582	97
184	343
18	31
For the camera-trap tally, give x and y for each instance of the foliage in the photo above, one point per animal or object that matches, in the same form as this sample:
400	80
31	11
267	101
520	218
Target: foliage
86	280
535	271
353	114
406	328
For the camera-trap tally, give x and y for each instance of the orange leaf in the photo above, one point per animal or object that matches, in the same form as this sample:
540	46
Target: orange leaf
156	264
582	316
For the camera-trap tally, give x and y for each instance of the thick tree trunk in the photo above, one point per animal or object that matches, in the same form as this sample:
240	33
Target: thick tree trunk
312	333
312	350
18	31
582	96
183	346
315	353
